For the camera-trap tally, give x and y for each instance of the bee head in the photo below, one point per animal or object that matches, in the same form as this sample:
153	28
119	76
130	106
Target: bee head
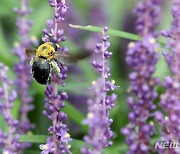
46	50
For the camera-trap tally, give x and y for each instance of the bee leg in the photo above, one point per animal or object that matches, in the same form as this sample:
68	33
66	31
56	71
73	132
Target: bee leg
55	67
32	61
49	78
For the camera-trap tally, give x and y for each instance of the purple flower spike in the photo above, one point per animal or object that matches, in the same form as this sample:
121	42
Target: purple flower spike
170	100
58	143
61	138
142	87
148	16
8	141
99	107
22	68
142	58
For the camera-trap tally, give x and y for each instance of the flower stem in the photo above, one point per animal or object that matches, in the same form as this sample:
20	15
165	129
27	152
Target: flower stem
8	114
55	92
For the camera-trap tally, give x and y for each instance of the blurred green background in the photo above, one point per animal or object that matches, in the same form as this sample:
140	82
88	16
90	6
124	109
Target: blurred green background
117	14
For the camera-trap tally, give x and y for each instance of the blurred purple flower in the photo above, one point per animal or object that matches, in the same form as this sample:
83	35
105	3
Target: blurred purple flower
22	68
54	102
99	107
97	13
148	16
170	100
9	140
142	57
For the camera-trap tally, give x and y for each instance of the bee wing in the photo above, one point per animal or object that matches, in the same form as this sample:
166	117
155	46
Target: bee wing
70	59
30	52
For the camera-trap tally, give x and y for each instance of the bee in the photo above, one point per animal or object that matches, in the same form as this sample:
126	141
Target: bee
46	59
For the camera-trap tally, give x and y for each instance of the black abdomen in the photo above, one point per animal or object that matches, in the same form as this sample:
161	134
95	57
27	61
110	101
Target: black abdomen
41	71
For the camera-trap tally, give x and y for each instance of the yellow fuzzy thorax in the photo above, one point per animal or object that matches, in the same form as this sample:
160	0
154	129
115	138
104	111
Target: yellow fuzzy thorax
45	50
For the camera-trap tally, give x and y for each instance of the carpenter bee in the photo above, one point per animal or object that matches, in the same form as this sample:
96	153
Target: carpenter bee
45	61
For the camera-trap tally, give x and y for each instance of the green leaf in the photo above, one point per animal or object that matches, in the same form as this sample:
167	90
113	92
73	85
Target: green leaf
108	151
33	138
120	148
4	50
42	139
75	115
78	144
31	151
113	32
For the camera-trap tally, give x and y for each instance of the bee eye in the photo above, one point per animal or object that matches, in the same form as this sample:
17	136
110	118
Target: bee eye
44	48
51	52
